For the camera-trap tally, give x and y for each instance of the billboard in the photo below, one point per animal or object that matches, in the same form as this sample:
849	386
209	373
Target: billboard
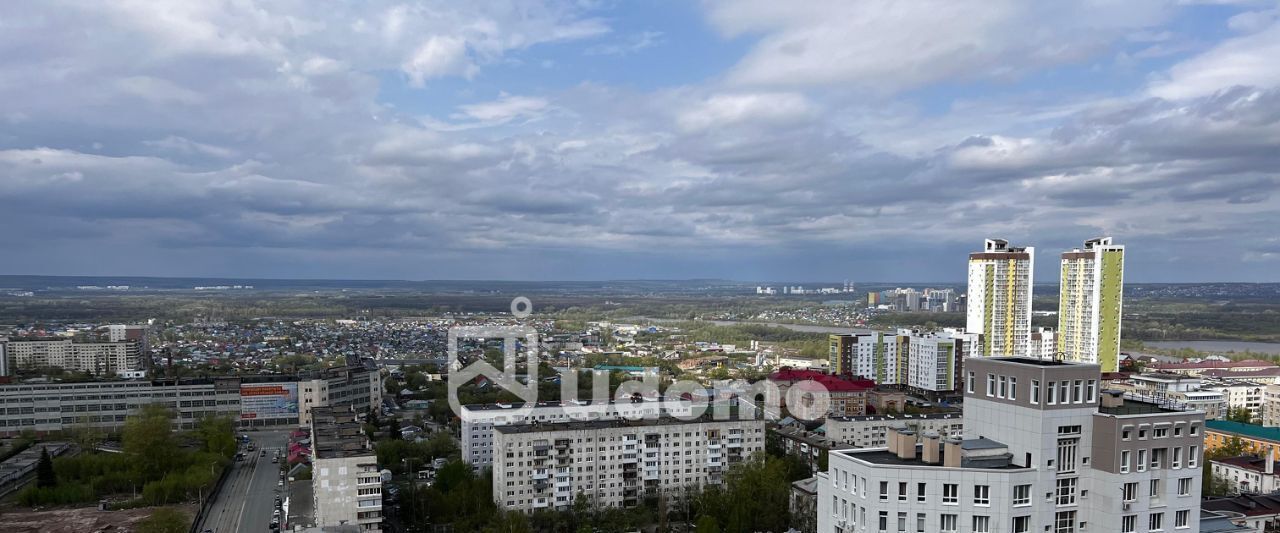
268	400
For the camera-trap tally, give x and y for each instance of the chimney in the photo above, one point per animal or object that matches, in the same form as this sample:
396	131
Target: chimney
1271	462
891	438
951	453
906	444
932	452
1112	398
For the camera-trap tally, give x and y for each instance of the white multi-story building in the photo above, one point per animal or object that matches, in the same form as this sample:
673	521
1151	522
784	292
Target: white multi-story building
46	408
1039	454
1241	395
871	431
98	358
4	359
346	483
998	303
927	362
1247	473
615	463
1043	344
479	420
1091	295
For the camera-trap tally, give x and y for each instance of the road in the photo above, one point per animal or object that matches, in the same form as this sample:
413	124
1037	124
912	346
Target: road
247	499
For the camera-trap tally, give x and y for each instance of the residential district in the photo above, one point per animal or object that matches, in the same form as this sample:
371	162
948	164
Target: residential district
993	427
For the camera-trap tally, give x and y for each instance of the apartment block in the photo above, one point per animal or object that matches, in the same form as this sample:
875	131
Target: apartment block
1271	406
1043	344
479	420
1091	296
97	358
51	407
924	362
1043	450
1247	395
346	483
615	463
871	431
998	304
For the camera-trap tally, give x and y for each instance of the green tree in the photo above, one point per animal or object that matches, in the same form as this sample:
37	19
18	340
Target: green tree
1241	415
393	428
707	524
149	442
45	476
165	520
217	434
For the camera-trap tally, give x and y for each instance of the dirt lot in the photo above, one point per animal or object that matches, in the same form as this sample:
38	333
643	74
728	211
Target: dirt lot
77	520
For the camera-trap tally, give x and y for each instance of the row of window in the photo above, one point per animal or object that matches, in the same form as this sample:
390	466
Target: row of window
1158	457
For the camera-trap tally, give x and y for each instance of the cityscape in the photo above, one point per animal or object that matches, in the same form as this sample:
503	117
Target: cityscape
561	266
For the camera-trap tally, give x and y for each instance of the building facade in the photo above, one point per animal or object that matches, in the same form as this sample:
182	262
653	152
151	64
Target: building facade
925	362
53	407
1248	473
872	431
346	482
615	463
97	358
998	304
479	420
1040	453
1090	299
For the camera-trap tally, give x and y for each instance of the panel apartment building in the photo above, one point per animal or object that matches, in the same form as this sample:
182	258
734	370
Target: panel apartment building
1091	296
97	358
52	407
998	304
1043	451
346	483
479	420
924	362
615	463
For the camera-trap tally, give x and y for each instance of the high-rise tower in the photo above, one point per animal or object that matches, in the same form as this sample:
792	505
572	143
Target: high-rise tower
999	297
1089	305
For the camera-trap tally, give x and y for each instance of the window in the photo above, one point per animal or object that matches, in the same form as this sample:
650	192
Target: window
1157	457
991	384
1193	455
1066	491
1067	454
982	495
884	491
1013	388
1021	524
1064	391
1194	430
1090	391
1129	492
1124	461
1142	460
1064	522
968	384
950	493
1077	391
1022	495
1004	388
920	522
902	521
1184	486
1177	458
1128	523
1155	489
1053	393
1126	433
920	490
948	523
1035	392
902	491
1181	519
1155	522
1160	433
884	520
981	524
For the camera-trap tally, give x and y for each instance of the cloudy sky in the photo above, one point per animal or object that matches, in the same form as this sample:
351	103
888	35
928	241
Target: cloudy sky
743	139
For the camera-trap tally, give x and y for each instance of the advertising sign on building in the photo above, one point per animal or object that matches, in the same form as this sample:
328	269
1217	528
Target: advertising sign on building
268	400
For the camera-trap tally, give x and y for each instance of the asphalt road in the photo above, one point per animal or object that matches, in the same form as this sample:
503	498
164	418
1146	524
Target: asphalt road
247	499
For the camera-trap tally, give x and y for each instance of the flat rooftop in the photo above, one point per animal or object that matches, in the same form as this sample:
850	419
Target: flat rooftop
881	456
337	433
538	427
1137	407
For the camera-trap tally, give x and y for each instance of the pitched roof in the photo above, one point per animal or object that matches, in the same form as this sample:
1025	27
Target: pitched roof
1242	429
1246	504
1247	363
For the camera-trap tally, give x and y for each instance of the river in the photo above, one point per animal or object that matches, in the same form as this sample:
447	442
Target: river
1217	346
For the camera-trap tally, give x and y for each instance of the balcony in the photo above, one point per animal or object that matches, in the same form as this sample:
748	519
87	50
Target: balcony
540	474
540	503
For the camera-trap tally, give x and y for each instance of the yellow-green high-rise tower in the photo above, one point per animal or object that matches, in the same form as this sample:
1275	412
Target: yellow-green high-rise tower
1090	300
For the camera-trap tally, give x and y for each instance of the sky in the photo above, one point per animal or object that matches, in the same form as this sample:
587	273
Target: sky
595	139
